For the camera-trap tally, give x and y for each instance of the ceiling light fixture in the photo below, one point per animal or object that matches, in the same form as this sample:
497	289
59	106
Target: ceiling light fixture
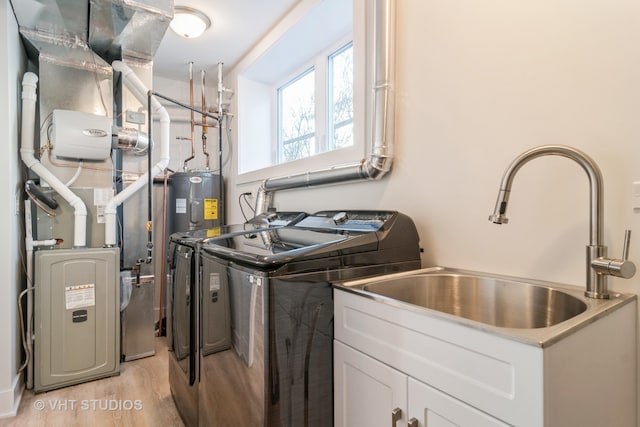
189	22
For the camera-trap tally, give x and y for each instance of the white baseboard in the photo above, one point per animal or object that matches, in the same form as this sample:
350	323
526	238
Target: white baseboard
10	398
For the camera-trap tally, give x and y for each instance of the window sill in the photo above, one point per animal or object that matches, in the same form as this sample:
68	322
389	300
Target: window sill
329	160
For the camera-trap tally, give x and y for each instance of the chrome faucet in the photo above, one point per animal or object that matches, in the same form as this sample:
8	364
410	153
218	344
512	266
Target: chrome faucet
598	265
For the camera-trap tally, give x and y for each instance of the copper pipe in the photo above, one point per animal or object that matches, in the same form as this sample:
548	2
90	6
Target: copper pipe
193	124
205	128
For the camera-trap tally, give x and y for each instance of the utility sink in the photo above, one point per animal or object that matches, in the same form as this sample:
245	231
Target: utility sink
517	351
489	300
527	310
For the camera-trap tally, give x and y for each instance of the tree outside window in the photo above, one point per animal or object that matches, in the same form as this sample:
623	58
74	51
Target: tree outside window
297	118
297	109
341	101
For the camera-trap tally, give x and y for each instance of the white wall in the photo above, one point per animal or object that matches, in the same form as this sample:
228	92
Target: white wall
12	58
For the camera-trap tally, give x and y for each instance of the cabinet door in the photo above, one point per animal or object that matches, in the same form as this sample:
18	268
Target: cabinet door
433	408
367	391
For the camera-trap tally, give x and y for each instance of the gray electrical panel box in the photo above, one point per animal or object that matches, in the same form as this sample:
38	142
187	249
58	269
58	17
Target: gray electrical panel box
77	316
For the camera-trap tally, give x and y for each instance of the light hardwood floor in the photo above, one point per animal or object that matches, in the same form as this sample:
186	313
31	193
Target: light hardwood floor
138	397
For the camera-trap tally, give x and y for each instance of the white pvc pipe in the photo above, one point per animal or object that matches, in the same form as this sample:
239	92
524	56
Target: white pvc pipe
139	90
27	153
75	176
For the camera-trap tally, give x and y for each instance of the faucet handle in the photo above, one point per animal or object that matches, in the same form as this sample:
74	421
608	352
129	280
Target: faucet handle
625	247
617	267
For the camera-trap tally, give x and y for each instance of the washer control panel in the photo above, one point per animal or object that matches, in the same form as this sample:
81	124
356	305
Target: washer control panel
347	220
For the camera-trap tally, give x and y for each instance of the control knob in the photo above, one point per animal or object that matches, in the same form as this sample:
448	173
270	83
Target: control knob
340	218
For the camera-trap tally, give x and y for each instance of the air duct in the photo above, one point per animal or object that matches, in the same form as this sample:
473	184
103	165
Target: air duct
381	155
128	28
138	89
29	97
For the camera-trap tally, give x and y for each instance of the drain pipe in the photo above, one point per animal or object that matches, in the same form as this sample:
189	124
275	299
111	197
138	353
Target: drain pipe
27	153
138	89
381	156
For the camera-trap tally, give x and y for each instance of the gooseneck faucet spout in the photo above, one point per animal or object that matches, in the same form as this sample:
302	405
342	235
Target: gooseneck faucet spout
598	266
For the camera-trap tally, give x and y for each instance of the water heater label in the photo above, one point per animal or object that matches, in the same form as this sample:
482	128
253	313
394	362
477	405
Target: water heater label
80	296
181	206
210	209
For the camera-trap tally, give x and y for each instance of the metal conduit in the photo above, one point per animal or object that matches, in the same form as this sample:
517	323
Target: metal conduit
381	155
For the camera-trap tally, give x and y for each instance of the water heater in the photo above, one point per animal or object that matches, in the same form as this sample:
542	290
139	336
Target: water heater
194	201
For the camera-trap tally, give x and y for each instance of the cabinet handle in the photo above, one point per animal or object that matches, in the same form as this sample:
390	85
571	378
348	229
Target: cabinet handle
413	423
396	415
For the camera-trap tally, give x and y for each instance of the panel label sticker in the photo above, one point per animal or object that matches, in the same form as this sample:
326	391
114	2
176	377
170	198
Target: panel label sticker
80	296
210	209
101	197
214	282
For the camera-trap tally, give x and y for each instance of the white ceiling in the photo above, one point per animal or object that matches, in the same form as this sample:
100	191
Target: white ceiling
237	25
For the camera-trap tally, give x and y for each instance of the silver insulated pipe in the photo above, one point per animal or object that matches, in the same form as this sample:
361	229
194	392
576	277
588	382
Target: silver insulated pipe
381	155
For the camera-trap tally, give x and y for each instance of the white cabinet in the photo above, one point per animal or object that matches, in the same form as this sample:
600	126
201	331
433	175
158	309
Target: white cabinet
442	372
370	393
428	407
366	391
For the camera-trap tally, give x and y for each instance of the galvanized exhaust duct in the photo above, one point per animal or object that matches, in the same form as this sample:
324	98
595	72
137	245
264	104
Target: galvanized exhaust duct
114	29
64	19
381	155
130	29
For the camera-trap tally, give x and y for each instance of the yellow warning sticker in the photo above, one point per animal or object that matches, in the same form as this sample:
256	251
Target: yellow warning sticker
213	232
210	209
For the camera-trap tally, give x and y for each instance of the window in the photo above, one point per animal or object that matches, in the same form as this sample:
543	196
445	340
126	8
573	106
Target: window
300	133
300	93
341	97
296	118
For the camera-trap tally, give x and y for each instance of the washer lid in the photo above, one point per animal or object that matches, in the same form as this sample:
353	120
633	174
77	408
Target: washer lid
274	247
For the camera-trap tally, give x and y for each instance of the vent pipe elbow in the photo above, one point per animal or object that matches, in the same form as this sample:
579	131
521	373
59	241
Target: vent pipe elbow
376	167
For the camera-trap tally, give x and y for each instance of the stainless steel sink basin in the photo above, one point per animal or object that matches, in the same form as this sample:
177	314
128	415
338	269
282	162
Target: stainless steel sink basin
490	300
530	311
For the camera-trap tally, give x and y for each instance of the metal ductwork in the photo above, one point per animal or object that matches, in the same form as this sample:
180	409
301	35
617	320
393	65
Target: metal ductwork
381	155
64	19
128	28
114	29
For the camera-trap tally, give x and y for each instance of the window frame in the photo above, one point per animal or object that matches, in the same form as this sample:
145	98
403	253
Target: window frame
320	65
257	74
